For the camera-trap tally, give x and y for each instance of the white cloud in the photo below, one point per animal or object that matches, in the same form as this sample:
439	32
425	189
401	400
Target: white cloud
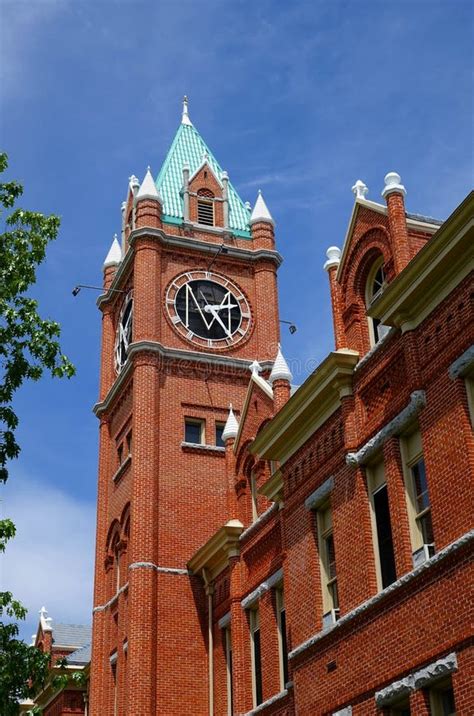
50	561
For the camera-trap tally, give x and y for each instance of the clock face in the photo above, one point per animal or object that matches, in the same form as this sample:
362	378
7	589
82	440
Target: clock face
208	309
124	333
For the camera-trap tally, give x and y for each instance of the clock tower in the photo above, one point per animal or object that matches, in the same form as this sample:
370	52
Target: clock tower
190	301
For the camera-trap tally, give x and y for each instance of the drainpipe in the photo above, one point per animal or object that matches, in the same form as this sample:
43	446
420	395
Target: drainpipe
210	591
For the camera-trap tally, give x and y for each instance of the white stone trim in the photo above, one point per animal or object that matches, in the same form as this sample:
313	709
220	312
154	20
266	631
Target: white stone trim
462	365
262	589
319	495
203	446
259	521
346	711
269	702
224	621
162	570
394	427
416	680
375	348
102	607
369	603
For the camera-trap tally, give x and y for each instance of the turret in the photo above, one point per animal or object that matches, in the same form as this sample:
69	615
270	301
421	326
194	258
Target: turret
148	203
280	380
262	225
394	194
332	264
112	261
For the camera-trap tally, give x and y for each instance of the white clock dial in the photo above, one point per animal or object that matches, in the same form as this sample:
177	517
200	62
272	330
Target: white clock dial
124	332
208	309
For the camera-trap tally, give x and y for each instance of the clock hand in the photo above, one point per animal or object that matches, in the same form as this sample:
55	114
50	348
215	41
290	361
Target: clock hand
218	307
213	310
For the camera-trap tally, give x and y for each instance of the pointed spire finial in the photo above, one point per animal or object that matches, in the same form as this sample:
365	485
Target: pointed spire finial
260	211
185	118
255	367
114	256
280	370
148	188
231	427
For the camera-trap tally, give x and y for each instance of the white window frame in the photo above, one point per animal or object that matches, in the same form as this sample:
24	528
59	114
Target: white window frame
370	296
254	617
202	424
280	606
323	533
254	496
375	481
228	657
411	449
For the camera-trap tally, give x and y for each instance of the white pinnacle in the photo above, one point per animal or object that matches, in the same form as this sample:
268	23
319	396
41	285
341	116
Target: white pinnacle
360	189
280	370
334	257
134	184
114	256
255	367
231	427
260	211
392	185
148	188
185	118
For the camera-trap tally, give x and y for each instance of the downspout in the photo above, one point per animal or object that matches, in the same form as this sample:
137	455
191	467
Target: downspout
210	591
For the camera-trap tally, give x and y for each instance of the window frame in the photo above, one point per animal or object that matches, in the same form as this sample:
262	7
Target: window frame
282	636
325	531
411	449
219	426
254	495
202	425
257	675
435	693
370	296
228	669
376	481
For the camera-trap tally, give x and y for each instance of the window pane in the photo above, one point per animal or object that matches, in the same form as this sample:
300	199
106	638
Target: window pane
193	432
421	486
384	535
284	646
219	440
258	666
330	557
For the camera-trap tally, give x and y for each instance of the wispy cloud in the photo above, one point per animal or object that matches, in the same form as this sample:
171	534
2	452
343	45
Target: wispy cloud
50	560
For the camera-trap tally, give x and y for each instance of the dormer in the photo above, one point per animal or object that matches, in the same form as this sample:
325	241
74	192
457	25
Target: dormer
379	243
207	195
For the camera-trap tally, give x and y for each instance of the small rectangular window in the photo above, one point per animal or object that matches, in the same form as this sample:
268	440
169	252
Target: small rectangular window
205	212
120	453
129	442
256	657
219	430
194	431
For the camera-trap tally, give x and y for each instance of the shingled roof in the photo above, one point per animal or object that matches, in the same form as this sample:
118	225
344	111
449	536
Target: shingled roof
189	147
81	656
72	635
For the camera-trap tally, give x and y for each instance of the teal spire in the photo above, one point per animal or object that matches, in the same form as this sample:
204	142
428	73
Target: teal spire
189	147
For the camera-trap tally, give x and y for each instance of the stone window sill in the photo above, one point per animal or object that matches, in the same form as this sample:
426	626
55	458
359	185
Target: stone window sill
197	447
122	468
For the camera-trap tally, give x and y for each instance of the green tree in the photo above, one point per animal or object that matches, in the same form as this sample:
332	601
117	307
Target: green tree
28	346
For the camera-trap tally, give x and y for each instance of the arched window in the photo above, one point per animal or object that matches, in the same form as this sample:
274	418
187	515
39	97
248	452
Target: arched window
205	206
374	287
115	549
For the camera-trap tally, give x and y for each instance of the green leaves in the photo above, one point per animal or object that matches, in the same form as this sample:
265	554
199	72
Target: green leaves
28	346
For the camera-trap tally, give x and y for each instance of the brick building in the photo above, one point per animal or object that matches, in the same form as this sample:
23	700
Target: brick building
306	551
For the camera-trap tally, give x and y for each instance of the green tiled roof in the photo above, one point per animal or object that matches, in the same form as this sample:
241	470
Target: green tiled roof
188	146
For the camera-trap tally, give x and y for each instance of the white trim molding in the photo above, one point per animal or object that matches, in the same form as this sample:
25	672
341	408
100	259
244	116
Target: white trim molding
319	495
264	587
269	702
417	680
462	365
162	570
394	427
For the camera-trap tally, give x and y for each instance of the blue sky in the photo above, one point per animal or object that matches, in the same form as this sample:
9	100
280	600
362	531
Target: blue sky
299	99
